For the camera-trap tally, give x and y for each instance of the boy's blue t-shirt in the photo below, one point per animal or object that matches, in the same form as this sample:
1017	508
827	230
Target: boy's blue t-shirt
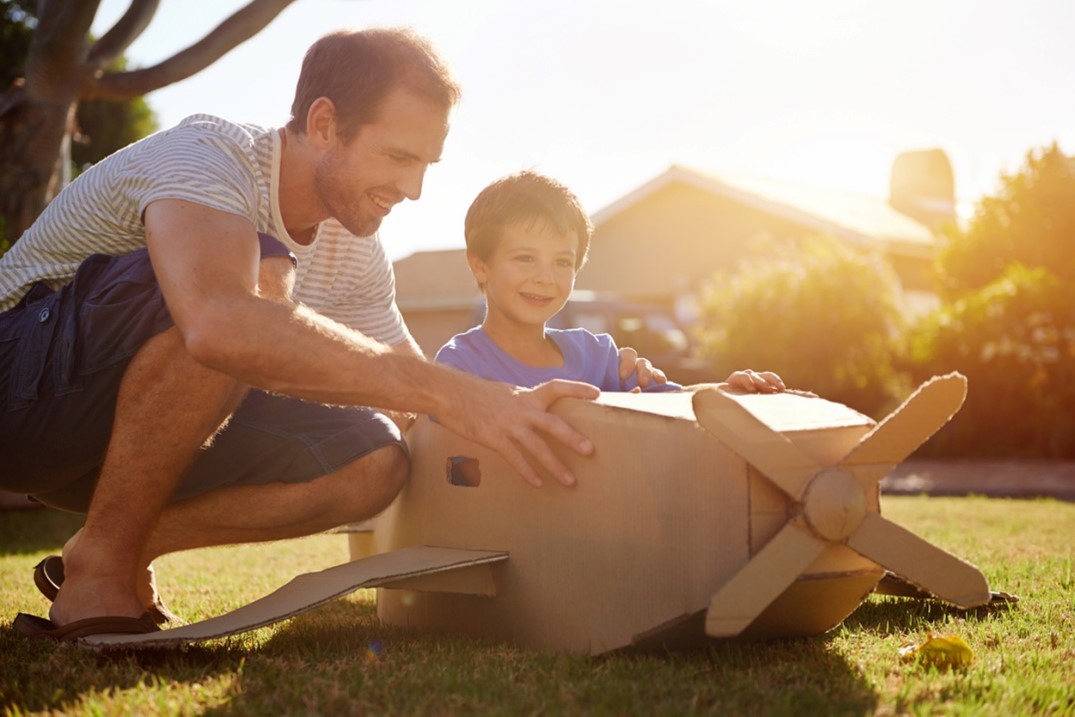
591	358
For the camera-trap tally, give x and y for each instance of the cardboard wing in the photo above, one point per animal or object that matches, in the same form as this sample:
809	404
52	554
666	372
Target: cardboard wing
312	590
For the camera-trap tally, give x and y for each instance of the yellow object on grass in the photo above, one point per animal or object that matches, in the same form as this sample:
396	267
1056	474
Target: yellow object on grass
940	651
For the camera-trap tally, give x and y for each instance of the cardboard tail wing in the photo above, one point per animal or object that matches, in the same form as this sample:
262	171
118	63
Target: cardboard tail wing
428	568
830	505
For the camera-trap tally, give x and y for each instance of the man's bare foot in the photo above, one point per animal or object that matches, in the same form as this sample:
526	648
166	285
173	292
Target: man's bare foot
93	586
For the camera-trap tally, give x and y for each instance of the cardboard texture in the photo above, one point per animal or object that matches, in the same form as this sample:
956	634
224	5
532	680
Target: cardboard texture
701	514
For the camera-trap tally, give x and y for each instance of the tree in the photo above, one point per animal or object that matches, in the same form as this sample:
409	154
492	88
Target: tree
102	126
65	67
1008	322
1031	220
822	315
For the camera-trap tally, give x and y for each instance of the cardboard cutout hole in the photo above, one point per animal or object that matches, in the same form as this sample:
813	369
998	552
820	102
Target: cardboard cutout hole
464	471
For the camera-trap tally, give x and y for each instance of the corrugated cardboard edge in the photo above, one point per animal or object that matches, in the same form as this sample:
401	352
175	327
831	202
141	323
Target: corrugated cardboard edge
308	591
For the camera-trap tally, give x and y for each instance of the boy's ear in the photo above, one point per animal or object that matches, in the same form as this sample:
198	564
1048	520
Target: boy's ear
478	268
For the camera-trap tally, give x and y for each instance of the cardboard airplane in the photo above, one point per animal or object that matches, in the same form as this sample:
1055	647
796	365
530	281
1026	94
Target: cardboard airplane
701	514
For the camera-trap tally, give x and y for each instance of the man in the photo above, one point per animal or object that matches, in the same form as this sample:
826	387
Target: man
214	258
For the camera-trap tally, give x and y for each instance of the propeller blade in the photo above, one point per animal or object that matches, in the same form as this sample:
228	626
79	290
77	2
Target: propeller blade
920	563
770	452
775	567
907	428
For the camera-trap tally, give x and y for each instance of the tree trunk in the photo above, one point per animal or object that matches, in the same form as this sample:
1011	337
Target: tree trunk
37	114
32	131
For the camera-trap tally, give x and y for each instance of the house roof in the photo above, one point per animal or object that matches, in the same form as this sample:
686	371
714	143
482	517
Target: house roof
859	218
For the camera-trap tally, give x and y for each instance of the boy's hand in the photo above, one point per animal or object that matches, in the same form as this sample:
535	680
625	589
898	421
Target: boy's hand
630	362
755	382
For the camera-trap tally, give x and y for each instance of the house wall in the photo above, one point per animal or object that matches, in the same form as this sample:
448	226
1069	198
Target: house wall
675	239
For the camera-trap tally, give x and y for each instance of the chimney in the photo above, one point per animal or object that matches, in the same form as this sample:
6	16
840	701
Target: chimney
923	187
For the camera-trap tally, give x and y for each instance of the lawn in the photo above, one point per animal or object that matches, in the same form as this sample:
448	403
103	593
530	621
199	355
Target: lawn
338	660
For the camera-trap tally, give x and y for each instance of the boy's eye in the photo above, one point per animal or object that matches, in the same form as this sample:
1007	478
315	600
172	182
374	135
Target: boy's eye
524	257
565	263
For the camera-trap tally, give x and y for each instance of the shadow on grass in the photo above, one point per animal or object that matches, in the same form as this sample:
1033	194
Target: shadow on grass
339	659
353	664
898	614
40	675
31	531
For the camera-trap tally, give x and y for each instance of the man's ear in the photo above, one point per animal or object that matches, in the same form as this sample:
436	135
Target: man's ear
321	121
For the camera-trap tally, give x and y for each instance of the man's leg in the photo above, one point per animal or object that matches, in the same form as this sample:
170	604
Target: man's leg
274	511
168	405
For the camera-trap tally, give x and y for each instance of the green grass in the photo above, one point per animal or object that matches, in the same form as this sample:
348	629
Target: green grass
338	660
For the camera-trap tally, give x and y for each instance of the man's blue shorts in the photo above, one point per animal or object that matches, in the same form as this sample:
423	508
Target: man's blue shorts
62	356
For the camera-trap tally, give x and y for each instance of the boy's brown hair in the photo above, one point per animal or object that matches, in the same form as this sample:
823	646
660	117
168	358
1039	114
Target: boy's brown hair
356	69
527	198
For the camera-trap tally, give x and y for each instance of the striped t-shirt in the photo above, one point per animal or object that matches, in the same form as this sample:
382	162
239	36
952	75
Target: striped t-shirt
227	166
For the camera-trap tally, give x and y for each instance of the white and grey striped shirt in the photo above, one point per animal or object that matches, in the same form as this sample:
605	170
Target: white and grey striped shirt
227	166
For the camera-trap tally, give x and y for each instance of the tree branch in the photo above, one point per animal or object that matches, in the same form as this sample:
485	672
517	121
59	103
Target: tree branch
238	28
126	30
57	44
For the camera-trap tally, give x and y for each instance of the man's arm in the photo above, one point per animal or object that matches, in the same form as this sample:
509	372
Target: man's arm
207	264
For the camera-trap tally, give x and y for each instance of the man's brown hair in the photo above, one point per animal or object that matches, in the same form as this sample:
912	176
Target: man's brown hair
356	69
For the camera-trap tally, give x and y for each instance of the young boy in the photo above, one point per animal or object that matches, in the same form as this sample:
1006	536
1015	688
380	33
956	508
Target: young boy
527	236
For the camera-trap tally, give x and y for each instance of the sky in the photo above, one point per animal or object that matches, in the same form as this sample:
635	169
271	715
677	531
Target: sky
605	95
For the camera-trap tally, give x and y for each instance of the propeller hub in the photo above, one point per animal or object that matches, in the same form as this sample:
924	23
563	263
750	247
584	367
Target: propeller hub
834	504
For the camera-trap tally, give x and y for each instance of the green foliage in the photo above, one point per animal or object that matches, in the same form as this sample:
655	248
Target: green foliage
1009	320
1014	339
17	24
1031	221
105	126
822	315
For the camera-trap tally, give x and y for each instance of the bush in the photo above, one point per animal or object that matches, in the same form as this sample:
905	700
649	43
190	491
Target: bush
823	315
1009	318
1014	339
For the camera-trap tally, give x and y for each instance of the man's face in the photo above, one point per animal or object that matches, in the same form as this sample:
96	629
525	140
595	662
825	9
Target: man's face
384	163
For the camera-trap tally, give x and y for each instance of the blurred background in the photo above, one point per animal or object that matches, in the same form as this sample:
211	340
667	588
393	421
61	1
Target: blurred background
855	195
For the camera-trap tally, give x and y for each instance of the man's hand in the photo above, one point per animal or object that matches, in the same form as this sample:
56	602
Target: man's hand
755	382
516	421
630	362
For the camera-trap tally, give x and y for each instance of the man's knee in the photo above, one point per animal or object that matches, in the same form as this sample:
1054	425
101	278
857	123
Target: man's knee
372	482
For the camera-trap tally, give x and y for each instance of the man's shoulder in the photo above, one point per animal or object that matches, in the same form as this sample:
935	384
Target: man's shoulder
208	131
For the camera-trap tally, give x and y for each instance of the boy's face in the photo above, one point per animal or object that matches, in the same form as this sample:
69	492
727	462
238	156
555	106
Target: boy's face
530	274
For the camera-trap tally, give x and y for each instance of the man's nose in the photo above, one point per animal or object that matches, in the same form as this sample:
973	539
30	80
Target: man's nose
411	184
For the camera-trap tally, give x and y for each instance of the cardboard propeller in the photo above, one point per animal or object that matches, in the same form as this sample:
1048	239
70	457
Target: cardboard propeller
831	506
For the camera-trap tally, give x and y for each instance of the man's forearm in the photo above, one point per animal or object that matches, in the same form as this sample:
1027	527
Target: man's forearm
289	349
